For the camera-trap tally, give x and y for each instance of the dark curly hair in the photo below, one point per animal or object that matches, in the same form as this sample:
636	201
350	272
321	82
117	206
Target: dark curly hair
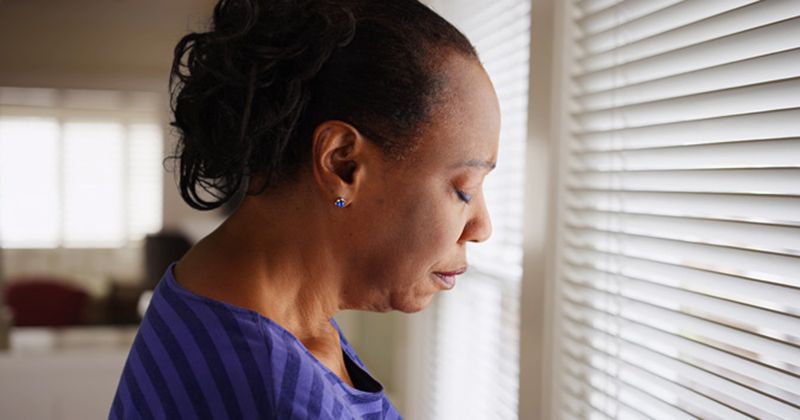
247	95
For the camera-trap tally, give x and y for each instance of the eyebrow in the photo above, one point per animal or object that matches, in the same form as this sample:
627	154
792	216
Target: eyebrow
475	163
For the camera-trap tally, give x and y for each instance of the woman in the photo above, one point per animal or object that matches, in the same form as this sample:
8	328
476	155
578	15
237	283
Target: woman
361	131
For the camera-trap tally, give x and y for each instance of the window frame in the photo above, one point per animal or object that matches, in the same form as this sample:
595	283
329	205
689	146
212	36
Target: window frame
131	109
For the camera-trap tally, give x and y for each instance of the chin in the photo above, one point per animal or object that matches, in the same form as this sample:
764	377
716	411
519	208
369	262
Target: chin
414	306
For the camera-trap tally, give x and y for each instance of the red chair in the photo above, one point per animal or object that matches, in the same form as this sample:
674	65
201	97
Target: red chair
45	301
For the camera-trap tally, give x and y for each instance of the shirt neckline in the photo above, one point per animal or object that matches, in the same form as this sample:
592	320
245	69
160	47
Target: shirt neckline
173	284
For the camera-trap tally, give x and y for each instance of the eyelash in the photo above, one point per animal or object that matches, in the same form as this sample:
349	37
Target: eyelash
464	196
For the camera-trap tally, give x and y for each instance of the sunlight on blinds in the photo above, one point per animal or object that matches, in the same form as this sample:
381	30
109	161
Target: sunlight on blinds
145	191
93	184
29	199
475	364
478	310
679	287
79	168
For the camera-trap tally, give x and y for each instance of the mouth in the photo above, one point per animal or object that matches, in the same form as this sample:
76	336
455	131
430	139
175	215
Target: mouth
448	278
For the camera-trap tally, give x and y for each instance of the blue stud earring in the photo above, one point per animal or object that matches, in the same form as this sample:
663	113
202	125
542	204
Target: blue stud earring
339	202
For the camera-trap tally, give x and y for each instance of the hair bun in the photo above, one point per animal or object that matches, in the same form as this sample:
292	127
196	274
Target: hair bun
247	93
251	44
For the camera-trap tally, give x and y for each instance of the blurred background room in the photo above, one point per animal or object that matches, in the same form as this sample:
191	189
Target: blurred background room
645	256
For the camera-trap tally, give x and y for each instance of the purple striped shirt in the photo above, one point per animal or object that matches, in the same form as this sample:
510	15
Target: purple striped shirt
198	358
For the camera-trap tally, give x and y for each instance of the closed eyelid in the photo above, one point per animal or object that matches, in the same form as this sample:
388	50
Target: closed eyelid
464	196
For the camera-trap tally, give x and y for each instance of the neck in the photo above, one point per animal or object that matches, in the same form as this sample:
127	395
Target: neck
273	256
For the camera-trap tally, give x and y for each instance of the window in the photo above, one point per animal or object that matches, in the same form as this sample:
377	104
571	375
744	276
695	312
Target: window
473	330
78	168
679	268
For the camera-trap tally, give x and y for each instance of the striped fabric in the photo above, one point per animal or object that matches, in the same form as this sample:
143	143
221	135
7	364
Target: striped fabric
197	358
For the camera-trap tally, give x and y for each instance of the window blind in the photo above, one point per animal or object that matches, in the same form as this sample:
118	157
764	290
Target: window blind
680	271
78	168
41	194
473	370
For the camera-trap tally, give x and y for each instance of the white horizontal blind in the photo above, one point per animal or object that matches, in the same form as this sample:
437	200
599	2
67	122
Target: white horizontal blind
474	367
93	186
29	214
680	282
78	168
145	176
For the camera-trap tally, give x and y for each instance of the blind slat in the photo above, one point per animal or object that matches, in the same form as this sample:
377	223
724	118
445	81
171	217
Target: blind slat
736	21
761	69
773	297
772	239
620	13
761	350
775	383
699	391
772	38
772	268
492	33
592	6
738	181
649	384
774	210
678	287
608	395
704	379
762	125
617	305
475	366
763	322
667	19
745	372
743	155
782	94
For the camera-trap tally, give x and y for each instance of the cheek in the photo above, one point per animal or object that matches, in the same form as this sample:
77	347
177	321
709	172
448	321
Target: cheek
408	236
426	230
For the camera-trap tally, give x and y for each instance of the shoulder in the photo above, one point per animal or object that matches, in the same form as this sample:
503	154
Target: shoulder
192	355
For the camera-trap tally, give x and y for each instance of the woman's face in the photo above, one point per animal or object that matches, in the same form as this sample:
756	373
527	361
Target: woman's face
416	216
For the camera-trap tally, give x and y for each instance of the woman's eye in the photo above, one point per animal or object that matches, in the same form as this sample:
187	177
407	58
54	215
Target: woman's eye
464	196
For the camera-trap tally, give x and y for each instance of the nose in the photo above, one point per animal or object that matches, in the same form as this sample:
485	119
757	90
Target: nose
479	226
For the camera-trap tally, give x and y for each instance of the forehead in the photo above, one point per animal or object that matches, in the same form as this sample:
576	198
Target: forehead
465	124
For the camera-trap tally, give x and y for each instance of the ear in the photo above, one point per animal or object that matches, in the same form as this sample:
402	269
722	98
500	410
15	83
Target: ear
339	156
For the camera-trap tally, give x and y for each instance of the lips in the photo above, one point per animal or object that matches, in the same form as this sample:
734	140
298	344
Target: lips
448	278
452	273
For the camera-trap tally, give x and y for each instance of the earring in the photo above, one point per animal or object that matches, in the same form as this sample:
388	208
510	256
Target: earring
339	202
